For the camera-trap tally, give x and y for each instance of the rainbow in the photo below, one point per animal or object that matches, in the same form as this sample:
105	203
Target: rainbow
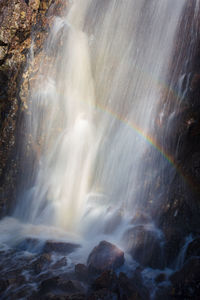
154	143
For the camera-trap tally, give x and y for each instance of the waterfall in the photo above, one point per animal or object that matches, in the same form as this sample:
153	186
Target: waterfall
94	114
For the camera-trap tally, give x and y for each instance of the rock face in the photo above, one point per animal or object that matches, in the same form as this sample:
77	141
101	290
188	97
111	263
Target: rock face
105	256
144	246
21	22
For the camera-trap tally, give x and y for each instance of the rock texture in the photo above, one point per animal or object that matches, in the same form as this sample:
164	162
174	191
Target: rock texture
105	256
24	25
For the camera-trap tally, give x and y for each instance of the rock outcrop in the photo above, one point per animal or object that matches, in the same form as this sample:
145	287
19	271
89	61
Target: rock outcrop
24	27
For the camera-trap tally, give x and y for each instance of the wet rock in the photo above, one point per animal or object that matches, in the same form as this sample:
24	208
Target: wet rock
141	218
60	247
103	294
193	249
81	272
164	293
160	278
186	282
60	283
30	244
21	21
104	257
61	296
107	280
60	263
4	284
131	288
173	243
41	263
144	246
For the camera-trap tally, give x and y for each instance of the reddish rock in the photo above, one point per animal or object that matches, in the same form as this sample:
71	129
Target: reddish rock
105	256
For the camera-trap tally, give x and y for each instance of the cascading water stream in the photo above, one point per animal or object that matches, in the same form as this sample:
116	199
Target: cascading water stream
94	115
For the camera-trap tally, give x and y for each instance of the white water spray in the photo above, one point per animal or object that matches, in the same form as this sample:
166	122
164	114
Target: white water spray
88	108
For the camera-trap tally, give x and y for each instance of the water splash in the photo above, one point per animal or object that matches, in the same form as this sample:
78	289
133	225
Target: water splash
90	163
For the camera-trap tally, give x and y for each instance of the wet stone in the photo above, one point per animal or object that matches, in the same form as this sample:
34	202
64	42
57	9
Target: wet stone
193	248
81	271
160	278
60	283
104	257
30	244
144	246
4	284
43	261
104	294
107	279
186	282
60	247
60	263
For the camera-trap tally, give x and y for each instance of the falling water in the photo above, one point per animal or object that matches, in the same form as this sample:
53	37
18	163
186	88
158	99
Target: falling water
94	111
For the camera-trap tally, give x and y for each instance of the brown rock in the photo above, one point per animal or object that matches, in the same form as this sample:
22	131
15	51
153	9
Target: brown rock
104	257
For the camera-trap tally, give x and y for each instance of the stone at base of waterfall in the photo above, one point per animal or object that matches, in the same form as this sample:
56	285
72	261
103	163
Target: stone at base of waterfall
120	287
144	246
193	249
41	263
104	257
62	285
81	272
59	247
186	282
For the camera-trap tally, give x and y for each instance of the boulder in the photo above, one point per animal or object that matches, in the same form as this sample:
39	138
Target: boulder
144	246
105	256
